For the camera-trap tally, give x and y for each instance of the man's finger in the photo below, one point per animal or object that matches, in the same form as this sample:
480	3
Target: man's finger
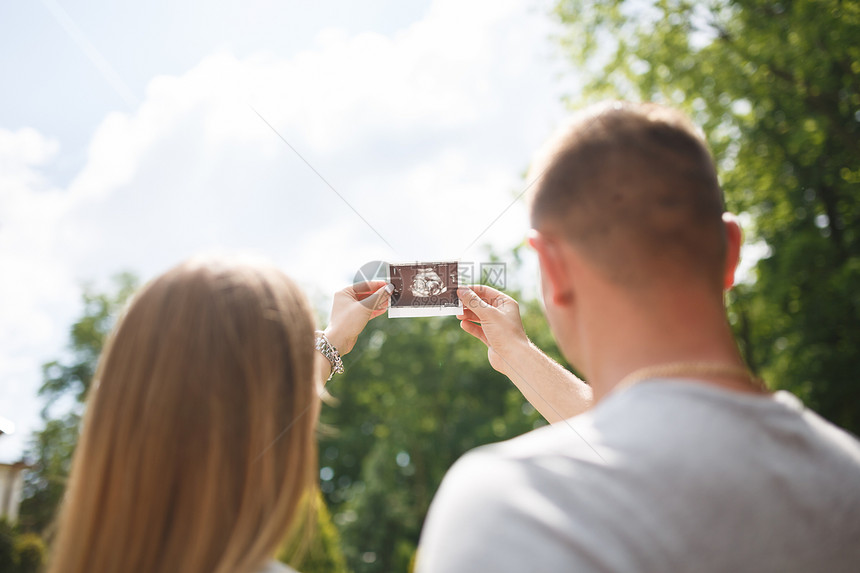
475	304
468	315
487	293
475	330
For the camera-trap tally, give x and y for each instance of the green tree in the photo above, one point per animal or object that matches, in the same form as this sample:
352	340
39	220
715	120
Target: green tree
52	447
20	552
7	546
314	544
51	450
29	553
776	88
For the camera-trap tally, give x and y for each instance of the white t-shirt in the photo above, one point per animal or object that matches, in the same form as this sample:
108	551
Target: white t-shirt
682	476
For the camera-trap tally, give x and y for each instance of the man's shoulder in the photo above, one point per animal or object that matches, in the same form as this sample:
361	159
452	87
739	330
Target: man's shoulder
649	423
501	485
494	507
562	449
507	461
692	459
572	437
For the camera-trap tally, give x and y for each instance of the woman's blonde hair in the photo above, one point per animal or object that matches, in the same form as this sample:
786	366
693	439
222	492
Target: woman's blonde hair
198	440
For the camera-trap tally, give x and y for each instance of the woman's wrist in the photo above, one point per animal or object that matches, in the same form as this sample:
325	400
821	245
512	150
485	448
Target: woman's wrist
337	340
330	352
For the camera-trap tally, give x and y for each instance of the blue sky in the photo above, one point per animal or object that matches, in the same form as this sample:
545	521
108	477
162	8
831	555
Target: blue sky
129	141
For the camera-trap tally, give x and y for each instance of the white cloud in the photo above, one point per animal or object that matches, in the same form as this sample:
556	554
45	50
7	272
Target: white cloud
35	288
425	133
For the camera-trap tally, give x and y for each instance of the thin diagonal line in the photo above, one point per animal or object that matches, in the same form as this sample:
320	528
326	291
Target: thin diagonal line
551	407
505	210
285	430
102	65
354	360
342	198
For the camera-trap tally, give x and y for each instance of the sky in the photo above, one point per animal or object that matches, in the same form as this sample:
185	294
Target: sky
322	135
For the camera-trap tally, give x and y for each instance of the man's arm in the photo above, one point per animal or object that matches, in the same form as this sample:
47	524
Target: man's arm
494	318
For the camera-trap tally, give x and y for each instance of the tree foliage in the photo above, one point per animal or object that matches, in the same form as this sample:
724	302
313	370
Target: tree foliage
20	552
314	545
68	380
7	546
29	553
776	88
86	339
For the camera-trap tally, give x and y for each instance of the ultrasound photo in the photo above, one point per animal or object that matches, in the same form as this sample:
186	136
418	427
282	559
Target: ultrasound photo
424	289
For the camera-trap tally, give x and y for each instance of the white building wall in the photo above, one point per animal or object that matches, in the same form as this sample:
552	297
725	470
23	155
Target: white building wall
11	489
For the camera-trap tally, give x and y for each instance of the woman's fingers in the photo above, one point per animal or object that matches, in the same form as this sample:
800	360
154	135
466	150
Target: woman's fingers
365	289
380	299
350	314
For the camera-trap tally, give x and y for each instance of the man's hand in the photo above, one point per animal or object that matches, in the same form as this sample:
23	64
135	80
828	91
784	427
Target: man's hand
494	318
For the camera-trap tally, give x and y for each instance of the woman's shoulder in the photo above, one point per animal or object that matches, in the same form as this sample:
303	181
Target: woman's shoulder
276	567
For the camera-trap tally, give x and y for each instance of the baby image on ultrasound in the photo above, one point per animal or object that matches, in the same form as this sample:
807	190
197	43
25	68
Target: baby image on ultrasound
427	283
424	289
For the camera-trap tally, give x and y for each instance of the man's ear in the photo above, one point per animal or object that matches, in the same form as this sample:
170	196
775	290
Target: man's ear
553	267
734	240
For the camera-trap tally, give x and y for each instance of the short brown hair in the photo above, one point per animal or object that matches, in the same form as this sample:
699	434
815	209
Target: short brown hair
633	186
198	441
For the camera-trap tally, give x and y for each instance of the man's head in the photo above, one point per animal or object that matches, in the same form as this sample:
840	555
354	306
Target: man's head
632	191
632	186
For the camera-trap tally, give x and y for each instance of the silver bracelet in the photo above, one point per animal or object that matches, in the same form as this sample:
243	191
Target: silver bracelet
330	352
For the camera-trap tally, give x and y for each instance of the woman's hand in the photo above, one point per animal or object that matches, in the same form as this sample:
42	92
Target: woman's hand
351	310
